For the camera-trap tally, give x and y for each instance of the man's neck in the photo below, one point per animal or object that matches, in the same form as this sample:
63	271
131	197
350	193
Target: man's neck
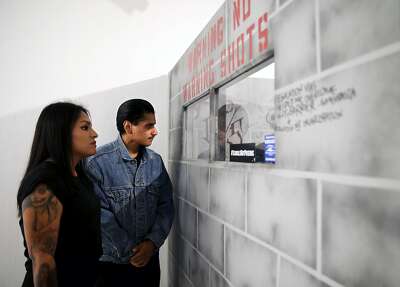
132	147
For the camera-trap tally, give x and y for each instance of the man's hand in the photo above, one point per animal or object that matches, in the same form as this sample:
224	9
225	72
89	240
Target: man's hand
142	253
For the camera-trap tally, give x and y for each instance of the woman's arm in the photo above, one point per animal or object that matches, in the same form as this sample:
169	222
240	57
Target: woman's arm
41	213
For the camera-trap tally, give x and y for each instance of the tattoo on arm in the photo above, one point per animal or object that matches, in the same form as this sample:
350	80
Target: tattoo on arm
46	276
41	213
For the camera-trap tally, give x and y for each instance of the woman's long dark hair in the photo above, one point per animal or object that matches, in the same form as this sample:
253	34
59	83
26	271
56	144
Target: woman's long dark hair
53	137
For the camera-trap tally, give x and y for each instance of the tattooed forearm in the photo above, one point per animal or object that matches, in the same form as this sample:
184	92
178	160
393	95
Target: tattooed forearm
46	276
41	213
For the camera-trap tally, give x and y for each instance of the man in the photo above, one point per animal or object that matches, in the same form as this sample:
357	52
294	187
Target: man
136	199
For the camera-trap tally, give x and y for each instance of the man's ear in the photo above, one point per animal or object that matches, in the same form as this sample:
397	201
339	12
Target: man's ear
128	127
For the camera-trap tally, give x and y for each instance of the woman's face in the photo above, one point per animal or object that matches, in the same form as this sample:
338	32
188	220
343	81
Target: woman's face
83	137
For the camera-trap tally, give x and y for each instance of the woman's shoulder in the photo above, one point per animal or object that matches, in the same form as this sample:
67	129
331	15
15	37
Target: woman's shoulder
46	173
47	170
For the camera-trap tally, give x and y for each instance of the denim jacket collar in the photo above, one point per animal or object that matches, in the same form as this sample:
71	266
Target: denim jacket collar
119	143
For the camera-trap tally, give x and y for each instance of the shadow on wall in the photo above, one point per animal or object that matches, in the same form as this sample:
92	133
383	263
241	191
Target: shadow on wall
129	6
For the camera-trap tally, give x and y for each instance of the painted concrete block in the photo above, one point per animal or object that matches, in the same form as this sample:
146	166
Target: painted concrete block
281	2
180	251
178	175
291	275
198	186
176	78
346	123
176	113
282	212
211	240
294	42
227	196
188	222
216	280
198	270
352	28
176	144
176	277
173	239
247	263
361	245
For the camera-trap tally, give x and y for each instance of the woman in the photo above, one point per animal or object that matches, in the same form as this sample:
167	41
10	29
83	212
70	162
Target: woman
59	212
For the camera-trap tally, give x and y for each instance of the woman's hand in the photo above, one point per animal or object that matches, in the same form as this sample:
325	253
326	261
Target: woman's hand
41	214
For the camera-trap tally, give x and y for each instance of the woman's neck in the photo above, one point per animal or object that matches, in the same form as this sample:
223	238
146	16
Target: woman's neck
74	164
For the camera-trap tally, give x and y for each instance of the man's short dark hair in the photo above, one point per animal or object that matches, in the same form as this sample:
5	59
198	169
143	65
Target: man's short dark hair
133	111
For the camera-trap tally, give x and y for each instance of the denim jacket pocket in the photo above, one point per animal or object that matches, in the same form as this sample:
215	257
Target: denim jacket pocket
118	196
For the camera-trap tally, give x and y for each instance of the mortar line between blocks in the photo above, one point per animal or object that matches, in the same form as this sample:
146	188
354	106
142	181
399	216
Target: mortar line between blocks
224	249
343	179
197	228
319	226
246	183
318	36
175	96
209	189
358	61
351	180
278	271
209	276
175	128
284	5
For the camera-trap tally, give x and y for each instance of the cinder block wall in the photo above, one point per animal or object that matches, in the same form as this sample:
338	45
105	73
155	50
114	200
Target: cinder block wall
328	213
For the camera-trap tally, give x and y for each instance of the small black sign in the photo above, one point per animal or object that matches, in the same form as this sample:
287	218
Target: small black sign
243	152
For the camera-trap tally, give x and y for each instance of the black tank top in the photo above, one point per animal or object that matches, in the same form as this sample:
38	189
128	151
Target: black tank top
79	240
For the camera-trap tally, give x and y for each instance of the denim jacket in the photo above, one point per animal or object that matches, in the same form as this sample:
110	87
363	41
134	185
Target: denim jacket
136	201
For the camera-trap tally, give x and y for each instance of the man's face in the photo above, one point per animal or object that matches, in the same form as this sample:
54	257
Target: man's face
145	131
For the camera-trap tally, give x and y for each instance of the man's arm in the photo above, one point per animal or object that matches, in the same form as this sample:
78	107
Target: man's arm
109	222
41	214
159	232
165	211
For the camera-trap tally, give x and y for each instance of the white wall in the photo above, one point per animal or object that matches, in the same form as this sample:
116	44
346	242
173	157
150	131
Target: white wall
51	49
15	140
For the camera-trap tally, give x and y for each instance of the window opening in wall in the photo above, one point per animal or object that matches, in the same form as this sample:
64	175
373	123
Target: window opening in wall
197	134
243	106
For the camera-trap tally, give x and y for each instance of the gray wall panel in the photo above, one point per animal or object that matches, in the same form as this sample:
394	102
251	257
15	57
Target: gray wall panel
282	212
198	270
198	186
216	280
293	276
375	24
361	244
227	196
211	240
187	218
294	42
247	263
